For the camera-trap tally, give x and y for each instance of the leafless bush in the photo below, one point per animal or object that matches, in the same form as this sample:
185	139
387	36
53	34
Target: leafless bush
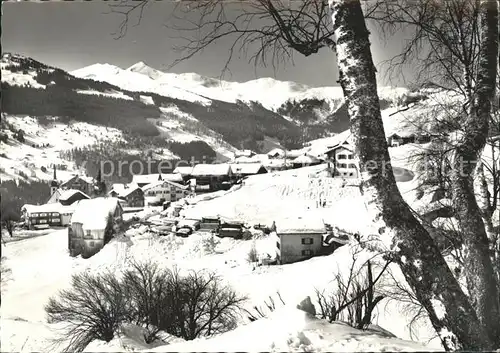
260	312
354	299
196	304
147	285
200	305
92	309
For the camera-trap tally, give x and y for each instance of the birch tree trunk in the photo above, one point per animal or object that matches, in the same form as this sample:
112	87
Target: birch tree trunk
478	266
423	266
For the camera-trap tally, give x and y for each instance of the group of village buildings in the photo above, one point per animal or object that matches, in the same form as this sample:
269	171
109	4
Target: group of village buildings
91	220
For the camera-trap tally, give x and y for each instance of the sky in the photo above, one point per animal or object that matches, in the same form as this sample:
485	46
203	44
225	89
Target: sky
72	35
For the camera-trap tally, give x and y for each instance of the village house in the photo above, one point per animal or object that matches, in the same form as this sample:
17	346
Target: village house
93	224
212	175
242	170
69	197
145	179
46	216
77	182
394	140
184	172
161	191
341	158
276	153
130	195
305	160
298	239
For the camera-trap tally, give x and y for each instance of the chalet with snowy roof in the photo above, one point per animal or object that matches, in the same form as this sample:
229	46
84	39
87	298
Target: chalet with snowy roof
276	153
145	179
341	158
130	195
46	216
298	238
213	175
305	160
69	197
161	191
184	172
78	182
394	140
242	170
93	224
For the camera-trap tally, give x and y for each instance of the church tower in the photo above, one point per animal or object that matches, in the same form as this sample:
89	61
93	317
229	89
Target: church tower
54	185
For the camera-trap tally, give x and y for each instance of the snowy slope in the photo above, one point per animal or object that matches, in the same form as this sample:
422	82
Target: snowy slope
59	137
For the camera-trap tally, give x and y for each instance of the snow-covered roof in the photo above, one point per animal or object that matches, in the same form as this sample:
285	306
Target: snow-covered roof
276	151
211	169
183	170
244	153
344	140
87	179
67	194
93	213
161	182
48	207
123	190
294	225
246	168
146	178
306	159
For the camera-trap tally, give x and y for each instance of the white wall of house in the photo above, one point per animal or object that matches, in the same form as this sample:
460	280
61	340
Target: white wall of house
345	164
297	246
165	192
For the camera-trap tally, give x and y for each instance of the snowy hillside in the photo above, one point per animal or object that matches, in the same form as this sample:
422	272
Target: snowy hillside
43	144
284	195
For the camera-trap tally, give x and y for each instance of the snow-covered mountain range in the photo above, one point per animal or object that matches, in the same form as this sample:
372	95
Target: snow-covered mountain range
150	111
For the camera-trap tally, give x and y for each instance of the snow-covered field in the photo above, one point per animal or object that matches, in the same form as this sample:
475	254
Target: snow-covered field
40	266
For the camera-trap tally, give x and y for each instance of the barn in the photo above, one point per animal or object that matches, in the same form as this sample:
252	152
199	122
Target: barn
93	224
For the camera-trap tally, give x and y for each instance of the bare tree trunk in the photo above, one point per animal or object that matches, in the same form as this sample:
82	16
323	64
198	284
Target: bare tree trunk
413	249
481	279
484	202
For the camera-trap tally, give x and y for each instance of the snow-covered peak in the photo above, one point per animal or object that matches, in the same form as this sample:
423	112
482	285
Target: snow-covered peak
142	68
96	70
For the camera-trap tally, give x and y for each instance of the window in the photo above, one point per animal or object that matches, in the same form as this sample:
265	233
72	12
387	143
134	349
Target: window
88	234
306	252
341	156
341	165
42	221
352	166
307	241
350	156
278	245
